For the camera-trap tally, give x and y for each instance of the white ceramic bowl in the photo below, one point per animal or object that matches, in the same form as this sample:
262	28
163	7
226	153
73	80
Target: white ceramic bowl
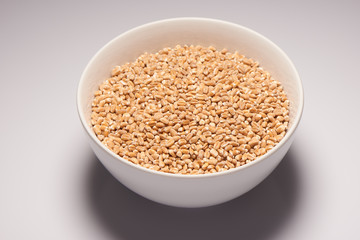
190	190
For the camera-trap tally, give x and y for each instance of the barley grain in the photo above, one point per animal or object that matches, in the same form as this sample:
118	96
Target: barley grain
190	110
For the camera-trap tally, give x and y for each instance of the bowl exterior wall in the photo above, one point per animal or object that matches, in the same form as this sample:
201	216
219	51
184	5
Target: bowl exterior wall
194	191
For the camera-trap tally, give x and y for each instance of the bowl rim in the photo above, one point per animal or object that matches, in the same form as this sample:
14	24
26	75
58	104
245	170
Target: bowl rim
272	151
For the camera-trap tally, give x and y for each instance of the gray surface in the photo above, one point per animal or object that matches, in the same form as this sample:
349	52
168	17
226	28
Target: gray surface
53	187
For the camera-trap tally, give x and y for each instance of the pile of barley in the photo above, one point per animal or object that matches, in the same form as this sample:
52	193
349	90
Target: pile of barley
190	110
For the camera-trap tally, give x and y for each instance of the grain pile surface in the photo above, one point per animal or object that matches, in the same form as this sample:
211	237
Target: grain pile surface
190	110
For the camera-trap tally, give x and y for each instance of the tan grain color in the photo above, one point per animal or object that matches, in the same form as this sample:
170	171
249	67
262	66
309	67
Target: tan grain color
190	110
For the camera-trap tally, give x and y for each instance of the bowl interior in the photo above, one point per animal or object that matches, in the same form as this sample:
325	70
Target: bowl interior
168	33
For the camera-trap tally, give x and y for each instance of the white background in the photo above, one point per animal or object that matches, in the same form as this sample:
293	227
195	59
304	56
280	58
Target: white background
53	187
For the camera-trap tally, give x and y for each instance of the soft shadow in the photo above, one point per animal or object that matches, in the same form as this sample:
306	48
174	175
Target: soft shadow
258	214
